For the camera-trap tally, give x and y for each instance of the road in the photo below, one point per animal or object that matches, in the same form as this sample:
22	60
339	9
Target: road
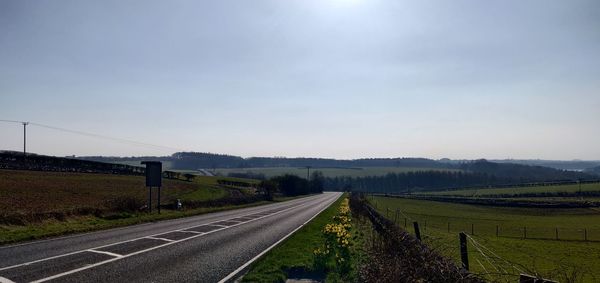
204	248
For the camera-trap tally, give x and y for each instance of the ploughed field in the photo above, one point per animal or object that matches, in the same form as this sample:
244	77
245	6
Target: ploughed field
35	192
35	204
557	243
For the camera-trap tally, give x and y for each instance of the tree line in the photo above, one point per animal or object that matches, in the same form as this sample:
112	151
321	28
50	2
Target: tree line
480	173
292	185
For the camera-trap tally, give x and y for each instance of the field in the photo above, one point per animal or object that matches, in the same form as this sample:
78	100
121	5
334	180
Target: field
594	187
36	204
327	172
526	240
39	192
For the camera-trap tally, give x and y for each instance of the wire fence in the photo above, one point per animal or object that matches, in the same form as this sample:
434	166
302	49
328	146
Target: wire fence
485	261
496	229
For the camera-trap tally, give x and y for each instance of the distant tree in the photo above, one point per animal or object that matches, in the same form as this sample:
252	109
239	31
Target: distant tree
292	185
269	188
317	182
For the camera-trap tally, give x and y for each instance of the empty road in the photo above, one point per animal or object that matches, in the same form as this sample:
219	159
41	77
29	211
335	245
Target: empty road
204	248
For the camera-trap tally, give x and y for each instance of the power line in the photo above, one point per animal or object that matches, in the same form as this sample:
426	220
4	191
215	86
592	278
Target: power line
121	140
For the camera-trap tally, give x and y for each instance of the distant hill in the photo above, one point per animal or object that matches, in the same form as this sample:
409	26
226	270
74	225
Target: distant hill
594	171
17	161
519	173
197	160
571	165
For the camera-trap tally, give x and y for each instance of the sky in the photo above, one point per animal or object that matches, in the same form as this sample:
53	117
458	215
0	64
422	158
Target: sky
313	78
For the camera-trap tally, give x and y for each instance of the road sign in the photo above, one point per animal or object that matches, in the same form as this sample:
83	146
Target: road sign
153	173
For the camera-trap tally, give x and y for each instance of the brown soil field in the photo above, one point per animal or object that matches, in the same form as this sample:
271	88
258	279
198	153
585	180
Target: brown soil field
35	192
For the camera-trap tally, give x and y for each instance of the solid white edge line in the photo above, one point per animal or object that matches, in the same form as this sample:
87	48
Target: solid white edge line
103	252
152	248
245	265
5	280
135	239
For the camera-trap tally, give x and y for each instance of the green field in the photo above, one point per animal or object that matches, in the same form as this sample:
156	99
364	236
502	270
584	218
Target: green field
570	257
595	187
327	171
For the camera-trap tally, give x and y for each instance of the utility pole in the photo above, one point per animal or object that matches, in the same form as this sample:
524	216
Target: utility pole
308	173
25	138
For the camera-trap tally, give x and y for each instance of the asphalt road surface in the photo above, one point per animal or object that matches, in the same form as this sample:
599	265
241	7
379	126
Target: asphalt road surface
206	248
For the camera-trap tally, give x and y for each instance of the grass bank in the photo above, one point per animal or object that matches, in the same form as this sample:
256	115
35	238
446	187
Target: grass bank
295	256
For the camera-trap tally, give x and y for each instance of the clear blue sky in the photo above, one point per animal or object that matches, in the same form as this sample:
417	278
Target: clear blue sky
321	78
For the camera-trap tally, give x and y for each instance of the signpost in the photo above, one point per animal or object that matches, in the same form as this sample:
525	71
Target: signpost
153	179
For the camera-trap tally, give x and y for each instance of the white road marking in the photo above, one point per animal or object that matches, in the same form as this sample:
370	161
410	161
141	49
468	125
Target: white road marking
103	252
185	231
141	251
162	239
5	280
245	265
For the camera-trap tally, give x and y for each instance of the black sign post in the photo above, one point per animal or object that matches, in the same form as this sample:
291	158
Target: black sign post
153	179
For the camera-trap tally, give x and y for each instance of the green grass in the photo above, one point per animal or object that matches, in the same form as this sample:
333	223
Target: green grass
295	252
520	190
554	259
328	172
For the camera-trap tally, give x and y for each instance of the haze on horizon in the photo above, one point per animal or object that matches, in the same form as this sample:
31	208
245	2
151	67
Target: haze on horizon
314	78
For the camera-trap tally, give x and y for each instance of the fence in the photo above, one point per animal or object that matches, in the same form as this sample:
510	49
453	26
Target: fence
497	230
474	253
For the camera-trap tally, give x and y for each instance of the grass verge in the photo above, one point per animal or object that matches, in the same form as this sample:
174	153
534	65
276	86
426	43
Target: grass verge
79	224
295	255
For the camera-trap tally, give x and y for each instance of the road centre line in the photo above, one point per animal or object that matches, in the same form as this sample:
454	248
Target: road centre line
138	252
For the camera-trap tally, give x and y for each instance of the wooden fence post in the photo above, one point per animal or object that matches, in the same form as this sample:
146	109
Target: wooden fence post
464	255
525	232
497	230
585	234
472	229
556	233
417	231
448	227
